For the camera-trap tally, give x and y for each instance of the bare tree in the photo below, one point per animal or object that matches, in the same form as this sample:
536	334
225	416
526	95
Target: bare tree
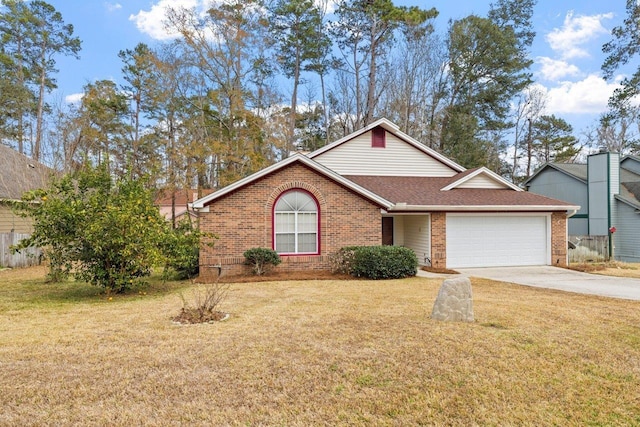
529	107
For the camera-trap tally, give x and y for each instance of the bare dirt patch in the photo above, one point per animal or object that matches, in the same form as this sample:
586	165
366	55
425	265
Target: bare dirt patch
438	270
193	315
278	276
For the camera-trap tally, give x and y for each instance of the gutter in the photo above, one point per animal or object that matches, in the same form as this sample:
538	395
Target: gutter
403	207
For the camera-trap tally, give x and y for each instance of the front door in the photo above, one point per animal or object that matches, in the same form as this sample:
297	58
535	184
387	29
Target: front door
387	230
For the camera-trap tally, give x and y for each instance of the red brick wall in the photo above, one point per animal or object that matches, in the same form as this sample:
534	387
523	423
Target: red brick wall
242	220
439	240
559	239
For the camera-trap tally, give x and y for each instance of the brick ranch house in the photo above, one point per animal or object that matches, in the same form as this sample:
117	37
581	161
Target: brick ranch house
380	186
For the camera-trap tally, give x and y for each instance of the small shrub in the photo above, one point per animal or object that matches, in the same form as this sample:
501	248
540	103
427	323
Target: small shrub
383	262
261	259
342	260
206	303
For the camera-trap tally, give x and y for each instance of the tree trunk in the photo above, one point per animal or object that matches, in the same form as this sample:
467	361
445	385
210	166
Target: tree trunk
357	77
294	104
40	111
324	108
529	150
371	87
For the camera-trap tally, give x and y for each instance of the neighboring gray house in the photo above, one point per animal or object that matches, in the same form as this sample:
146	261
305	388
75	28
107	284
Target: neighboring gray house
18	174
608	190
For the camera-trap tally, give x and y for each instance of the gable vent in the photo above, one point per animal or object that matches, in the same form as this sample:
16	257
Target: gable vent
378	137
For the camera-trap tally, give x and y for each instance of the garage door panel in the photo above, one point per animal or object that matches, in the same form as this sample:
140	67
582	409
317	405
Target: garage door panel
494	241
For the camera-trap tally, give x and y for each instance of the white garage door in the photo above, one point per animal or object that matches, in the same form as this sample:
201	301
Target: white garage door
497	241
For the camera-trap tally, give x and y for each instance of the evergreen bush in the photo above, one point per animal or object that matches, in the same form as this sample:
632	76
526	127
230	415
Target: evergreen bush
261	259
376	262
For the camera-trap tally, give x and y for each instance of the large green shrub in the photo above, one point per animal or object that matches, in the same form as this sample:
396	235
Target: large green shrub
261	259
104	231
383	262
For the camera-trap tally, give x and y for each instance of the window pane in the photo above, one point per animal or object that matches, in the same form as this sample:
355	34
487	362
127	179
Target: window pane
306	203
307	242
286	202
296	201
285	243
285	222
307	223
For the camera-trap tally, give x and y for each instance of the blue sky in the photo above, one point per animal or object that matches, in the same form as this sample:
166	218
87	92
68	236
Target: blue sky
567	49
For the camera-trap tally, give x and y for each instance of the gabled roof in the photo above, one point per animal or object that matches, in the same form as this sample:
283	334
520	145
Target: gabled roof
574	170
467	178
296	158
630	157
19	174
427	194
468	190
395	130
634	189
627	175
633	203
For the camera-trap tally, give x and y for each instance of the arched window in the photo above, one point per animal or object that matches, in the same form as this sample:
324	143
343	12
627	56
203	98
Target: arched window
296	223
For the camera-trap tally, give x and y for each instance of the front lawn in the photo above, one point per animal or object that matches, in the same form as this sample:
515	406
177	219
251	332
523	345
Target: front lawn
315	352
610	268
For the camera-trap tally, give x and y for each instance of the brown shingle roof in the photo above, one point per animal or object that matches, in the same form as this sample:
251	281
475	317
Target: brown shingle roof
633	188
19	174
426	191
182	196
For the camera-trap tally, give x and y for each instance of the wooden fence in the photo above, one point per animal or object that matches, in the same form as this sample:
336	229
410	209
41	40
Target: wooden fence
24	258
590	244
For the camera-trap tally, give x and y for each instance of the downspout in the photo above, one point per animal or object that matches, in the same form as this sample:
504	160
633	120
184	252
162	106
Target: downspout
566	233
588	197
609	205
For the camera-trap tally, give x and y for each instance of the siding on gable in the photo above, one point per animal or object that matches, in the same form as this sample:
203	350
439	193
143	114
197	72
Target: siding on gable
557	185
631	164
11	222
626	240
398	158
482	181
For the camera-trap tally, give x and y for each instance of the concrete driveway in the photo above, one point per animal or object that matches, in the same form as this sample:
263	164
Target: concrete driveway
561	279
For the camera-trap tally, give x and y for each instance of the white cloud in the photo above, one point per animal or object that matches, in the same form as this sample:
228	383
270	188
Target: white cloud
553	69
112	7
576	32
73	98
329	5
587	96
151	22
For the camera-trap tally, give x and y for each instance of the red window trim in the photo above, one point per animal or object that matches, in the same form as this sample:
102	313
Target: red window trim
273	224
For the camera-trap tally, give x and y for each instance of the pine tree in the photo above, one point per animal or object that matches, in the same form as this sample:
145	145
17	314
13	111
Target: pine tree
300	44
622	50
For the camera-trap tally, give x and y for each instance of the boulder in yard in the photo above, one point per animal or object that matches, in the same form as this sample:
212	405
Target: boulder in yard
455	301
